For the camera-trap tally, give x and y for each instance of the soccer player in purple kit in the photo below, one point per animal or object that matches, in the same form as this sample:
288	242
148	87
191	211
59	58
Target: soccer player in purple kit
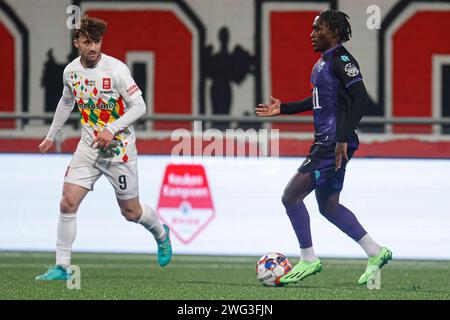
338	100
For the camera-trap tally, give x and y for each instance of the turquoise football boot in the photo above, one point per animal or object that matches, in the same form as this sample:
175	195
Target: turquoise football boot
165	249
55	273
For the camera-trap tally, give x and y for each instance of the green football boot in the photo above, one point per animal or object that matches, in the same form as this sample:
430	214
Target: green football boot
54	273
302	270
165	249
374	264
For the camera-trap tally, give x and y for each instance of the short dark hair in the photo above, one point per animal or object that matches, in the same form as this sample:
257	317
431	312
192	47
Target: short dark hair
91	27
337	21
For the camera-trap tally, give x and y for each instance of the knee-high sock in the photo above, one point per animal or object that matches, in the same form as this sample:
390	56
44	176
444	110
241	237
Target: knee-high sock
346	221
300	222
65	235
150	221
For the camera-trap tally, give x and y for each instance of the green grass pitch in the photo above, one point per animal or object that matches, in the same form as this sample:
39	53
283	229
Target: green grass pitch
138	276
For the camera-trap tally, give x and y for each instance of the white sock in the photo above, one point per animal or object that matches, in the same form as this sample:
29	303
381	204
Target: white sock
308	254
65	235
150	221
369	245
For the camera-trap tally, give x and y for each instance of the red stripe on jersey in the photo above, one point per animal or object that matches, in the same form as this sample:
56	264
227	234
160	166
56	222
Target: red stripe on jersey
121	107
85	116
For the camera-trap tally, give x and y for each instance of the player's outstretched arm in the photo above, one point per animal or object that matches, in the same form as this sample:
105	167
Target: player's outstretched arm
297	106
277	107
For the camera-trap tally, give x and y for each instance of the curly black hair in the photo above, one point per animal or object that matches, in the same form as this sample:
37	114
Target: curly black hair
337	21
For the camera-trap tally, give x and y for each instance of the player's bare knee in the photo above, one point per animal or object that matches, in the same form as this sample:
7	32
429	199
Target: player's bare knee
130	214
68	205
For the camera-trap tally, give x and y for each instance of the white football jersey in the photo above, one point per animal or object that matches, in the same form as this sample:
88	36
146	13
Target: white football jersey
101	94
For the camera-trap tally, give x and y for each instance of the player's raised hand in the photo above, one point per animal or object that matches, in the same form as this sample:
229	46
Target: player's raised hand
103	140
45	146
269	110
341	152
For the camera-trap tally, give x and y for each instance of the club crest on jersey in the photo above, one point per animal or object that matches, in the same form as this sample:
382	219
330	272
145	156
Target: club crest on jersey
106	83
351	70
321	65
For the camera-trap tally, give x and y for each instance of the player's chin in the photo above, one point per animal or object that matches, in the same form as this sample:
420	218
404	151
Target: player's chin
92	57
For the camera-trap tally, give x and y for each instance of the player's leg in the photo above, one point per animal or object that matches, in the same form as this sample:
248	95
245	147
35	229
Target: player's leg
340	216
72	197
134	211
124	178
329	185
327	196
80	177
300	185
297	189
66	231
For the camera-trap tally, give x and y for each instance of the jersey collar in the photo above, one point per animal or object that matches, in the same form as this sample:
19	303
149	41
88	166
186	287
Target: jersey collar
97	65
331	49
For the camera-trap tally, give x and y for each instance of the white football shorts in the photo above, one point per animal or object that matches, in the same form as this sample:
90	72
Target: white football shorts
85	169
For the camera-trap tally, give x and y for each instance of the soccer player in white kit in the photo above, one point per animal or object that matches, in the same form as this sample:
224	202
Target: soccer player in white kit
109	101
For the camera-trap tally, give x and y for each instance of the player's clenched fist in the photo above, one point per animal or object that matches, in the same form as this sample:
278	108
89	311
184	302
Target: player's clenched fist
103	140
45	146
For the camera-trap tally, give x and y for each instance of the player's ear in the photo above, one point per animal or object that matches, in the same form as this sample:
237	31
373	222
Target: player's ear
75	43
335	34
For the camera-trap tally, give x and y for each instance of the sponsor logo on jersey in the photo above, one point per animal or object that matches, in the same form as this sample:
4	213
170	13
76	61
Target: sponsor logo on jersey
317	174
106	83
345	58
92	106
351	70
132	89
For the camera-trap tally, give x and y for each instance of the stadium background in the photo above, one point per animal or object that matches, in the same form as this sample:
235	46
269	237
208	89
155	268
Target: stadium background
172	48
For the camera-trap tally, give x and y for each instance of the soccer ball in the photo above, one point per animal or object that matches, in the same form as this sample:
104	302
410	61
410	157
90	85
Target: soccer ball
271	267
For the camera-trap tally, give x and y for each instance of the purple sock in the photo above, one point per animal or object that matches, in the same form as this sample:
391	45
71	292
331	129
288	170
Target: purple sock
346	221
300	222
